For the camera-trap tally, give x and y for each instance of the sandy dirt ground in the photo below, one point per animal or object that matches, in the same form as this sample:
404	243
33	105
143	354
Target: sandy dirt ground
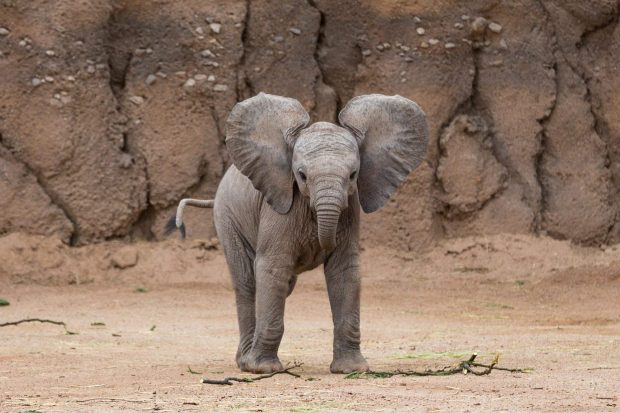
542	304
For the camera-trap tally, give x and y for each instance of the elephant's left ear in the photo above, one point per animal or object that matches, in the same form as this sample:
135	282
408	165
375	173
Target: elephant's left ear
392	135
260	135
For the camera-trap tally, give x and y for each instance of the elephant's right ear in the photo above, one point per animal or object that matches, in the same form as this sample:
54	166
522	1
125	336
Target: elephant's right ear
260	135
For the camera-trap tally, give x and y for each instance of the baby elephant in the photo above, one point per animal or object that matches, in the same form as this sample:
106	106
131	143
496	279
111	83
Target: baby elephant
291	202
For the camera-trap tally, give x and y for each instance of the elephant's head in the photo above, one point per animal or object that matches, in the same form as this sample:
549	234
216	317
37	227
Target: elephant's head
381	140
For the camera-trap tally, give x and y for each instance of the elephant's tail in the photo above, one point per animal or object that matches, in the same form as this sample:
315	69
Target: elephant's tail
176	221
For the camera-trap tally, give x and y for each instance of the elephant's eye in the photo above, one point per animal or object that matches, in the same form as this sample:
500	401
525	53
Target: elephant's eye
302	176
352	176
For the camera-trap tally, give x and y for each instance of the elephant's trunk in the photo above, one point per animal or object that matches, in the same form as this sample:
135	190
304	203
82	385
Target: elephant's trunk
328	206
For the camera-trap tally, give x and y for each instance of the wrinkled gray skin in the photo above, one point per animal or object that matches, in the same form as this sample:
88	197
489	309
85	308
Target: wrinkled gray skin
291	202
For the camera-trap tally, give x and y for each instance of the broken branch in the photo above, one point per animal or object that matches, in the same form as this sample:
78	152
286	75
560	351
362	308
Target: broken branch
38	320
228	381
464	367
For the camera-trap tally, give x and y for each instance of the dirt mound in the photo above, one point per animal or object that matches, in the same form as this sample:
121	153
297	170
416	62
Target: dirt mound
113	110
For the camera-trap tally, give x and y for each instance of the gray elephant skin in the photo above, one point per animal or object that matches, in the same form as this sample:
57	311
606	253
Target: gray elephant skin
291	202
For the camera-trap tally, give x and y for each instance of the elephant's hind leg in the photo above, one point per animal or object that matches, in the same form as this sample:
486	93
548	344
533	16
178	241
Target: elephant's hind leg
240	259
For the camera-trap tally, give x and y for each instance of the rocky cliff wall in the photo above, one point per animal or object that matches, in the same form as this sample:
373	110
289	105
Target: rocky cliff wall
111	111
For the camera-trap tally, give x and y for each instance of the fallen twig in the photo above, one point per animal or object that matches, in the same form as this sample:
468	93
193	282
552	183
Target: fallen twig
38	320
228	381
463	367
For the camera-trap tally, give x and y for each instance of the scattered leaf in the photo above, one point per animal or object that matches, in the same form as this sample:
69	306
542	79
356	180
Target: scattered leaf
4	302
189	369
97	324
153	327
140	290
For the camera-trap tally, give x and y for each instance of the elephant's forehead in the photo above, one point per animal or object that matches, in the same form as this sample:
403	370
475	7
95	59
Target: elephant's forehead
325	136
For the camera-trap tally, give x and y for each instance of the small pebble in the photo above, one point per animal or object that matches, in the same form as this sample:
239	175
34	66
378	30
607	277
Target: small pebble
4	31
180	73
408	59
295	31
199	30
90	69
420	31
495	27
200	77
99	66
22	43
220	88
403	73
49	79
70	78
50	53
503	44
424	45
139	52
136	100
149	50
257	69
404	48
278	39
215	27
433	42
386	45
162	75
380	47
449	45
150	79
416	19
36	82
211	78
366	52
458	25
464	17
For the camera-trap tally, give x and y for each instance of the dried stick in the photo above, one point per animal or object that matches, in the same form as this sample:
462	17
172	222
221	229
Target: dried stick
464	367
38	320
228	381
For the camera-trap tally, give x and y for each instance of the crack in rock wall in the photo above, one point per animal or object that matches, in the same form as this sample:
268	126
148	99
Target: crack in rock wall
113	110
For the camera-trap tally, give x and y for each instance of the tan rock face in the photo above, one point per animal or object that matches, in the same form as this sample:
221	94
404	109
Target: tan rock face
111	111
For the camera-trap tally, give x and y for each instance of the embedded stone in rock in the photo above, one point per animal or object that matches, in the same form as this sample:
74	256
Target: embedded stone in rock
220	88
215	27
479	25
4	31
495	27
420	31
150	79
468	171
207	53
126	257
295	31
136	100
189	84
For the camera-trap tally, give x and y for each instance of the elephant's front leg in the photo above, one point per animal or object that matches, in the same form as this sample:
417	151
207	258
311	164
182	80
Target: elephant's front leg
272	286
343	286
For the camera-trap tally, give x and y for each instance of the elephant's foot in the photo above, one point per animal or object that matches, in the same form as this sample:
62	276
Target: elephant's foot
348	363
260	365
